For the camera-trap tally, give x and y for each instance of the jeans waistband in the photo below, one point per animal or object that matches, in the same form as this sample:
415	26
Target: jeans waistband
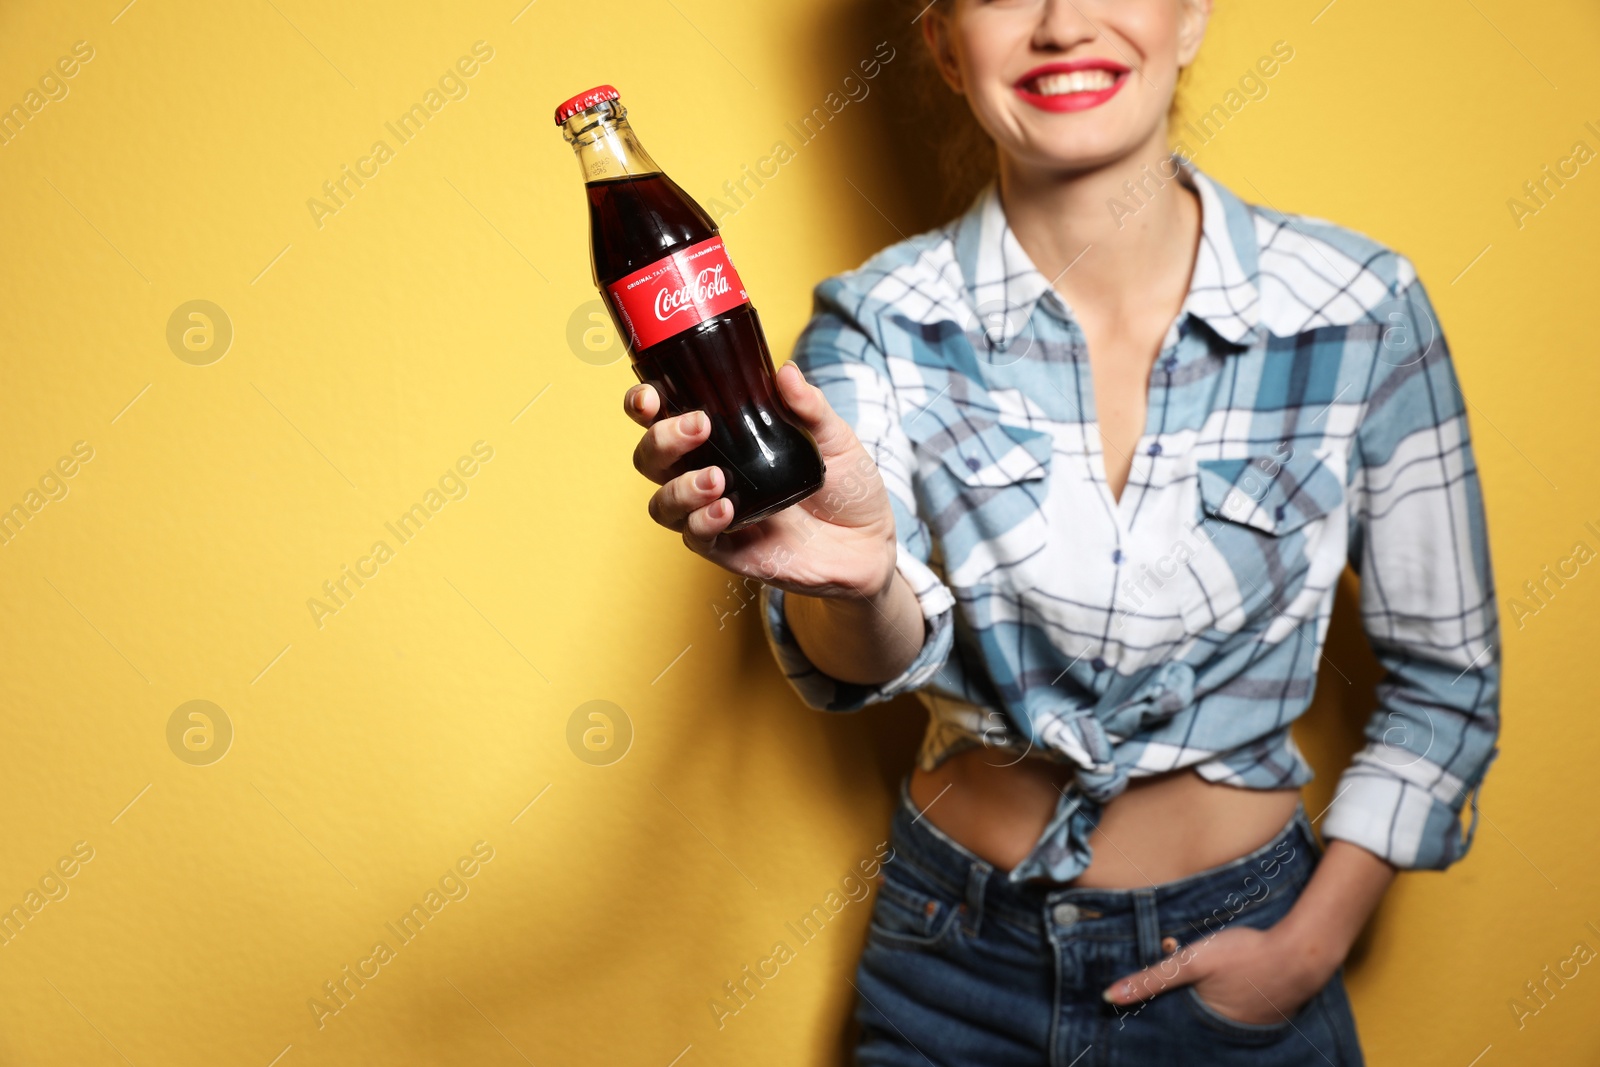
1283	864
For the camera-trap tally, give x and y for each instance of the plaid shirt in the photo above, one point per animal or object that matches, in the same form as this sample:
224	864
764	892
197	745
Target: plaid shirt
1303	415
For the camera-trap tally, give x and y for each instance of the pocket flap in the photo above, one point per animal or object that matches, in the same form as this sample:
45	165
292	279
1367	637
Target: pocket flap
992	453
1271	495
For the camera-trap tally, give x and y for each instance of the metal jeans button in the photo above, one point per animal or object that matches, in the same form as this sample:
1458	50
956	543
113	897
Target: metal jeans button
1065	914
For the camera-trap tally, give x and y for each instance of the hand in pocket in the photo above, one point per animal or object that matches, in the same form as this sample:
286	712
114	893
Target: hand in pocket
1248	976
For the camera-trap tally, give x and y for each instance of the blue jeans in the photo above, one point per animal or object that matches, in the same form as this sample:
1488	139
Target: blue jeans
964	968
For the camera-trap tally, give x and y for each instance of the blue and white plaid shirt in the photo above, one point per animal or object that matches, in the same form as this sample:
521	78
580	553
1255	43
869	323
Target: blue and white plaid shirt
1303	414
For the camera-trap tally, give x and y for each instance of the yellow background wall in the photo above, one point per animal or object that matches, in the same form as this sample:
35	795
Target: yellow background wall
430	713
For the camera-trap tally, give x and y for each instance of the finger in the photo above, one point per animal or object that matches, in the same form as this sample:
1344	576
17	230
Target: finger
667	441
671	504
832	434
702	527
642	403
1178	969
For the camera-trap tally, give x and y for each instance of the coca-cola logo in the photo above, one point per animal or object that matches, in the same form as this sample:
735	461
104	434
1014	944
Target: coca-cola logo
699	280
702	288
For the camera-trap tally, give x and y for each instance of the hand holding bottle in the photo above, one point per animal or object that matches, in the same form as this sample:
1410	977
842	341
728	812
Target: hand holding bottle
836	543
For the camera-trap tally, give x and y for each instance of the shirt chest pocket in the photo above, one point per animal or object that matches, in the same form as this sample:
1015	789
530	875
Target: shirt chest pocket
981	487
1271	530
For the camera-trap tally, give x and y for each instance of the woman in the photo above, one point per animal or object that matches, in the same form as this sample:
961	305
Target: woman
1098	452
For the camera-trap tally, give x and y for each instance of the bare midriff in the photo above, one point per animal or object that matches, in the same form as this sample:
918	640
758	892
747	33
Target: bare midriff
1159	829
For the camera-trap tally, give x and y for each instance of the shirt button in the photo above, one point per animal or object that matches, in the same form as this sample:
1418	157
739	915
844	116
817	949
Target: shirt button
1116	555
1280	512
1065	914
1155	448
1170	364
973	463
1098	664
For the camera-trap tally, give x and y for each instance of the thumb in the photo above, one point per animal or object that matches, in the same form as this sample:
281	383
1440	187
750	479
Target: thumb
808	403
1169	973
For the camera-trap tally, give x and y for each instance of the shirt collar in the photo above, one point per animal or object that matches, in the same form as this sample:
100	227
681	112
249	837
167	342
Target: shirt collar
1003	286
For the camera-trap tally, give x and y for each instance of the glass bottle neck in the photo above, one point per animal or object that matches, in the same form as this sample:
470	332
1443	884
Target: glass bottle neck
606	145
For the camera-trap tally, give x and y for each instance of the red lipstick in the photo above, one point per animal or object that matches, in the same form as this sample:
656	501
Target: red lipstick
1026	86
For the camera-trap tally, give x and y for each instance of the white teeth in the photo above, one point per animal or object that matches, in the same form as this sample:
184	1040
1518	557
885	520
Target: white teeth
1078	81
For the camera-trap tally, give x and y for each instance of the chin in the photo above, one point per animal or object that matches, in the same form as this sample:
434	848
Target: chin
1073	155
1074	142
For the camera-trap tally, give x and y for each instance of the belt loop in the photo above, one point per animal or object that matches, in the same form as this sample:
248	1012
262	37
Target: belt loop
977	881
1147	926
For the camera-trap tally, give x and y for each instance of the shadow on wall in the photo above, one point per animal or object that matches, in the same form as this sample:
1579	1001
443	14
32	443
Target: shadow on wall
1330	732
930	151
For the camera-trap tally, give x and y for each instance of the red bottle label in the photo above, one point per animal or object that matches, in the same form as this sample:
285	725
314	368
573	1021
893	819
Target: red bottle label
679	291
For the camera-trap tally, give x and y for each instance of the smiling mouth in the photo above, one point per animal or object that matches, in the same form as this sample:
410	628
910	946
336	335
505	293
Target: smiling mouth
1065	83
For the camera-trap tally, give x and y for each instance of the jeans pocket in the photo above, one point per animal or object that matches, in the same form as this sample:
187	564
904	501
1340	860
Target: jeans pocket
1238	1029
912	910
1260	912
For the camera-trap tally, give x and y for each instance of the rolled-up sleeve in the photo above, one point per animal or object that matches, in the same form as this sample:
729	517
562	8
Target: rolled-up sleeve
839	354
1419	543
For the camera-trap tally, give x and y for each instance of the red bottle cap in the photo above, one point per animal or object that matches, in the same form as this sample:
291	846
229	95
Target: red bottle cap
584	101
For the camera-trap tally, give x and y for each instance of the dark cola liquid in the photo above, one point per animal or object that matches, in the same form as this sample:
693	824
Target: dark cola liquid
722	366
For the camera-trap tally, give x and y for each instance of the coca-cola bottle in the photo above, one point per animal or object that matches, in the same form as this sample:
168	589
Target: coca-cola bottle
688	323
